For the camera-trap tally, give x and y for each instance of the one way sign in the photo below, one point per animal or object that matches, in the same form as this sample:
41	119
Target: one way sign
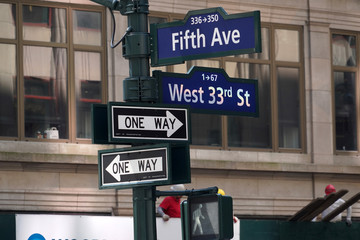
169	123
148	165
122	168
119	167
149	122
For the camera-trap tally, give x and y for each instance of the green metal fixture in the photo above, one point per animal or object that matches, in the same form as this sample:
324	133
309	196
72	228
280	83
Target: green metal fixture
144	213
138	87
136	49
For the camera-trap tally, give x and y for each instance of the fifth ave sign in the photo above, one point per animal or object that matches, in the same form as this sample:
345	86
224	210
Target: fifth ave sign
204	34
148	122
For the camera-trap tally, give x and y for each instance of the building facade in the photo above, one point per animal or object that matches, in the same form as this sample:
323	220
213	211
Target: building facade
56	61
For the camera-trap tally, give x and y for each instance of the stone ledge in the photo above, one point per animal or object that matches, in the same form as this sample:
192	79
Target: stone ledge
25	147
273	167
47	158
68	157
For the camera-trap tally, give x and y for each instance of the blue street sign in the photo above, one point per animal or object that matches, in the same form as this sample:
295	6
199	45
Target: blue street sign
209	90
203	34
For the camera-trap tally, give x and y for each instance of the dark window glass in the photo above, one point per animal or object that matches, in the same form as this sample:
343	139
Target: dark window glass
88	89
345	111
245	131
289	107
8	91
206	129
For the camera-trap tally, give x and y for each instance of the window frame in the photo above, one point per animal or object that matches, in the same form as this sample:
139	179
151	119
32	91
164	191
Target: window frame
70	48
351	69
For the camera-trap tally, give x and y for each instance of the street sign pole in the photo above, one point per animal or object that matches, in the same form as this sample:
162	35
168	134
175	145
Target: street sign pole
144	213
138	87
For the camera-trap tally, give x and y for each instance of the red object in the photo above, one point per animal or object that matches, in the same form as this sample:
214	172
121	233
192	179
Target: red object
329	189
171	206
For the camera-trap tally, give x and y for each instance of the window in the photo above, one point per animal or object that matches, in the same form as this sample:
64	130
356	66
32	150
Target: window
345	74
45	87
251	132
8	72
51	72
87	89
279	70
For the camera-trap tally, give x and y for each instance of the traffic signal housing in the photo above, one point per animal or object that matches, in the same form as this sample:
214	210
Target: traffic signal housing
207	217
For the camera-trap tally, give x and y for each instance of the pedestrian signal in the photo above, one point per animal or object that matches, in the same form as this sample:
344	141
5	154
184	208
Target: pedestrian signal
207	217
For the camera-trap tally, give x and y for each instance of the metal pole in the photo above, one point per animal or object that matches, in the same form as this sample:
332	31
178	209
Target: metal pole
144	213
136	50
138	87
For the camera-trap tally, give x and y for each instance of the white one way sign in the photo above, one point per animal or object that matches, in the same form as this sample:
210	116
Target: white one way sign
170	124
133	166
119	168
149	122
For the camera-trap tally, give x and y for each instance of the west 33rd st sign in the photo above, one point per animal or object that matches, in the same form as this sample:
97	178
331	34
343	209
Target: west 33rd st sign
209	90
